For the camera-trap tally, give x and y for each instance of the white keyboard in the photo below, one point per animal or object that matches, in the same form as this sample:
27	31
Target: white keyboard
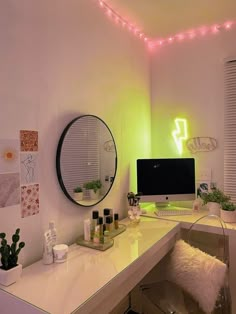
173	212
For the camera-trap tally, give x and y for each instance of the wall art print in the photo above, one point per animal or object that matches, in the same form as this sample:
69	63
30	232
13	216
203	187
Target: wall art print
9	155
29	200
9	189
29	168
28	141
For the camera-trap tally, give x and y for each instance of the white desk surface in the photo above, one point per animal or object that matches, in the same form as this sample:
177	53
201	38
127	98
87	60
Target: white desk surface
90	277
210	224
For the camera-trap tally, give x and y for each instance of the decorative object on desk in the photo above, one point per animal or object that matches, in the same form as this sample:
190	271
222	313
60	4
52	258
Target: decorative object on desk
197	204
93	187
134	210
228	212
198	273
78	193
134	213
201	144
213	200
10	271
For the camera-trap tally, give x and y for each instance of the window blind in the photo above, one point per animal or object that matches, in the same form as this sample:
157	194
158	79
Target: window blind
230	129
81	154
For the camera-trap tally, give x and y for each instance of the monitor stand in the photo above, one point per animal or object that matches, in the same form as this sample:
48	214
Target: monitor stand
166	209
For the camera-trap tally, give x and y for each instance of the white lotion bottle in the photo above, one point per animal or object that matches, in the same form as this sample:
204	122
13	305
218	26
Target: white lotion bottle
87	230
53	232
47	250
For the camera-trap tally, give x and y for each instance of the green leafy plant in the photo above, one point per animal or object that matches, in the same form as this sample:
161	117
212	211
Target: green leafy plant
216	196
93	185
228	206
78	189
9	253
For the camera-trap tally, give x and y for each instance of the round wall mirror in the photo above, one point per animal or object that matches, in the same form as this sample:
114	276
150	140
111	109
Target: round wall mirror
86	160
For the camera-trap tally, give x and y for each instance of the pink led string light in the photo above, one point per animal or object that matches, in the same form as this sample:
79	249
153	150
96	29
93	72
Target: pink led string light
118	19
153	43
191	34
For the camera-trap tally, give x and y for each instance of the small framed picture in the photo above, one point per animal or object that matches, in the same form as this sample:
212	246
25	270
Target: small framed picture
203	187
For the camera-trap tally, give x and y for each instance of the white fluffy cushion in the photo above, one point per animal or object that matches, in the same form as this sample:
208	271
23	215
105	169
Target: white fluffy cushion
198	273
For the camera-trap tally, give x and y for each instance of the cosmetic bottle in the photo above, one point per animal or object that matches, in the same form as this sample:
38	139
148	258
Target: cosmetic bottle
53	232
109	221
106	212
87	228
100	224
47	248
107	237
116	221
94	223
96	236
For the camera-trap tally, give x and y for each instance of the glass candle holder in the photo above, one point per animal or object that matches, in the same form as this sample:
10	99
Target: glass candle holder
134	213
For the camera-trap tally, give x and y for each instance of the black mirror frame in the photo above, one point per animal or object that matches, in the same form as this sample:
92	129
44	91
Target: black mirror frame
58	158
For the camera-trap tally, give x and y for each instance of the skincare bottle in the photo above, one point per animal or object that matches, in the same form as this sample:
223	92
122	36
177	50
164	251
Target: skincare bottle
106	212
47	250
116	221
106	236
96	236
94	223
87	228
53	232
109	221
101	235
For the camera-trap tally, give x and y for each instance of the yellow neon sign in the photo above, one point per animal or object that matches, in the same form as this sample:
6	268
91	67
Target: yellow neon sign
180	133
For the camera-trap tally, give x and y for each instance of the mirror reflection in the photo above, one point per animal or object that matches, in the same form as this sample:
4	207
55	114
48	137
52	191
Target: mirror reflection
86	160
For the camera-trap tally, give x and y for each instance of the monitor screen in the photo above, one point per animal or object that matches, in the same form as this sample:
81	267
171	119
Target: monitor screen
166	179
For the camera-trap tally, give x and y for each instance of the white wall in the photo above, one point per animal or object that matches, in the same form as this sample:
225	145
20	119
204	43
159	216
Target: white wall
187	81
61	59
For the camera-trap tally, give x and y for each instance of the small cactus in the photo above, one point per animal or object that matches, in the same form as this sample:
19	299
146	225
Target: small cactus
9	253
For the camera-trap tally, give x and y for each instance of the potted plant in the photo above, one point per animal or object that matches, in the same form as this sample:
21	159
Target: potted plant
214	199
10	271
78	193
94	187
228	212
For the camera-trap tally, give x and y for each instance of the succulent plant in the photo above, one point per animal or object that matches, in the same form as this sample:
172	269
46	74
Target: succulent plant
78	189
229	206
93	185
216	195
9	253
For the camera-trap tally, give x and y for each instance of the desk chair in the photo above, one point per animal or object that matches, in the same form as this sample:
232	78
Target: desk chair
170	298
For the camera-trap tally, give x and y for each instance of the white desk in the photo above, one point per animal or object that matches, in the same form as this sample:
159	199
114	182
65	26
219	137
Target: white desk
213	226
92	281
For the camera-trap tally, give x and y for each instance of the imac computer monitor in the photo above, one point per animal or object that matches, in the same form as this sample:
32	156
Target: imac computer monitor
166	180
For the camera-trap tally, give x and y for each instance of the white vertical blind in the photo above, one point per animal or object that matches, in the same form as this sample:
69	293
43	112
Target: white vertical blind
80	154
230	129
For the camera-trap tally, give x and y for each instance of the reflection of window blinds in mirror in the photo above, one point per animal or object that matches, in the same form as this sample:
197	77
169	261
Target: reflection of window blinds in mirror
230	130
81	157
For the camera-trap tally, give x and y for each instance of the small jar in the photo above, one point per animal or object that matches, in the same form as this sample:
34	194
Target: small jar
60	252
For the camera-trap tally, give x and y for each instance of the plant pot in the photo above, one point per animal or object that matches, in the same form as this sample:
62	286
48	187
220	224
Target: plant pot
228	215
93	195
214	208
78	196
8	277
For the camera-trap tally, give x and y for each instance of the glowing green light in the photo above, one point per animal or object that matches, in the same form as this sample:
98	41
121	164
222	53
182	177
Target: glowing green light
180	133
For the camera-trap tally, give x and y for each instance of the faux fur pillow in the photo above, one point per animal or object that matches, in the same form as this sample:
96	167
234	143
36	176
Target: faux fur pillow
198	273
